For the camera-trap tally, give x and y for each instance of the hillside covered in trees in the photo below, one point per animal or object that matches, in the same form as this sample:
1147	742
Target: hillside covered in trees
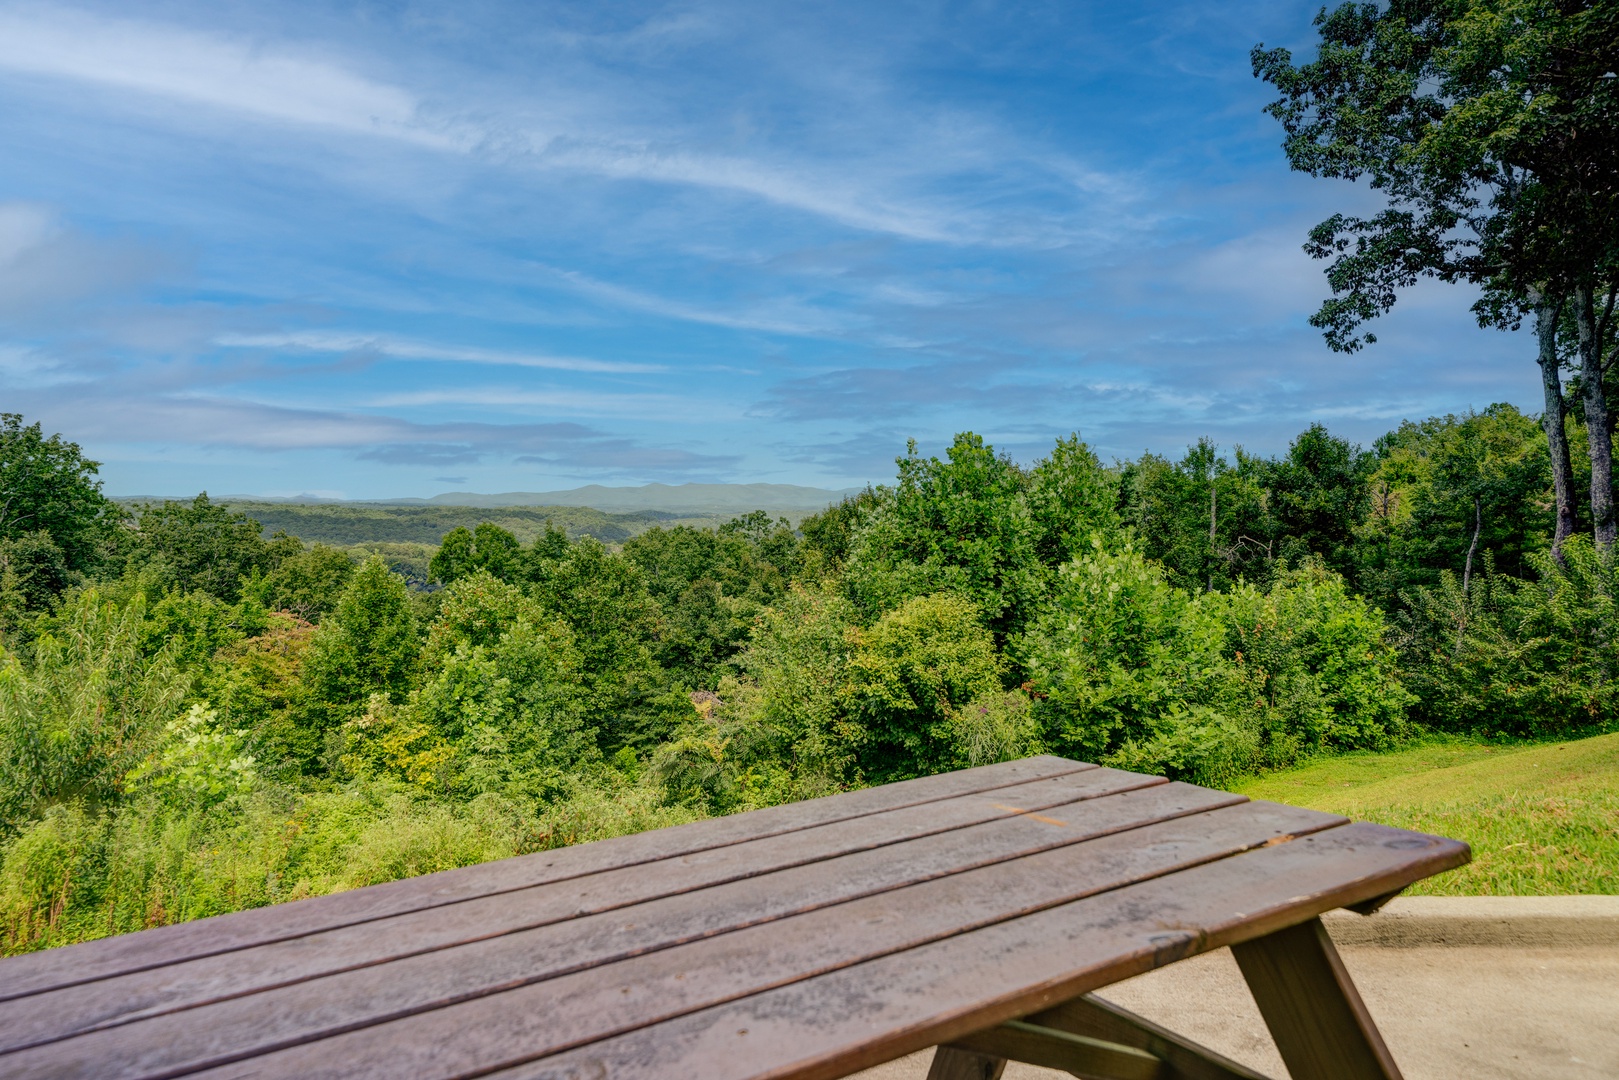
195	718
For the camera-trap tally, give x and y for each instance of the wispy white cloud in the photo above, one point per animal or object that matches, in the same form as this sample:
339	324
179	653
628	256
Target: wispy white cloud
330	341
782	316
887	184
211	70
662	406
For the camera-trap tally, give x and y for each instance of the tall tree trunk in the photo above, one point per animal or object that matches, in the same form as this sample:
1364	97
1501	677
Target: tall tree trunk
1478	527
1553	419
1597	428
1213	522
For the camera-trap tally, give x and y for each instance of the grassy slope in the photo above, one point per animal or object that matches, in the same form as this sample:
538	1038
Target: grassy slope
1542	819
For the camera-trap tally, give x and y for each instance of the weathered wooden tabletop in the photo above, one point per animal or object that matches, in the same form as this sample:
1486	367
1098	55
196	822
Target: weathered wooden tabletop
808	940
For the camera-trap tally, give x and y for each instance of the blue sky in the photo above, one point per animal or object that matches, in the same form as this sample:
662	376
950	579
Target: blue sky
384	248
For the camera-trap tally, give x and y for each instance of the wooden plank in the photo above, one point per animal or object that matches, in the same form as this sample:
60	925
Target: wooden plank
952	1064
1303	991
1101	1019
857	1017
1081	1055
955	841
76	964
559	1012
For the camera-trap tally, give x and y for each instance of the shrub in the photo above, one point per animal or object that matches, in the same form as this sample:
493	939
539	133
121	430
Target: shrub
1524	658
907	677
1137	673
84	710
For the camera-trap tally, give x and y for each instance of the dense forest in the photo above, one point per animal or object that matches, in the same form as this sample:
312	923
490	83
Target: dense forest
196	718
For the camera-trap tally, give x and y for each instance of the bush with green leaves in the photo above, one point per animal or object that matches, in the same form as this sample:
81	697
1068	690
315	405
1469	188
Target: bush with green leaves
83	709
198	762
1519	658
368	645
908	678
1134	672
506	692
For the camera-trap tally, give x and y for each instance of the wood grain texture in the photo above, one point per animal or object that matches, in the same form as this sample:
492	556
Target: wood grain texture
1080	1055
1186	1060
855	1018
800	942
77	964
952	1064
591	1004
1321	1026
944	837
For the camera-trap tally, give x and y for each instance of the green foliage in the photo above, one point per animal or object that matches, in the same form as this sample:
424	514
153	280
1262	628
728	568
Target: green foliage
1319	496
1520	658
604	601
1439	481
33	573
961	525
1207	521
257	686
197	762
909	676
1319	661
367	646
1128	664
710	585
48	486
505	696
1071	498
307	583
1134	671
203	547
83	710
487	547
796	667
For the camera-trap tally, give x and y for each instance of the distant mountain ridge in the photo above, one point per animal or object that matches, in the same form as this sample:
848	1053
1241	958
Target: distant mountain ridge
671	498
695	499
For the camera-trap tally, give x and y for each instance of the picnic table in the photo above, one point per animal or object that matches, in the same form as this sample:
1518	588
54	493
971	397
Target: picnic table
974	911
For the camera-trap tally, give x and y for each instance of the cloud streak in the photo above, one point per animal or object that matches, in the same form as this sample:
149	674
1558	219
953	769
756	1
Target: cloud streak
393	348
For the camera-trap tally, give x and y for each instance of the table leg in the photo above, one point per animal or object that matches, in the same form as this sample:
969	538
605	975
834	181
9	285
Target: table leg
1314	1013
952	1064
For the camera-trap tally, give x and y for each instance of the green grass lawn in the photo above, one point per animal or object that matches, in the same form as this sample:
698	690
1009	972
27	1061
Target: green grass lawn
1542	818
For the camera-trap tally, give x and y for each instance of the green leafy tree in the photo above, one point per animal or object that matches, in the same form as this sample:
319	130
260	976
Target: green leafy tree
795	665
1128	664
910	675
1489	129
308	583
486	547
829	535
603	599
48	486
1519	658
204	546
256	684
961	524
709	585
1449	491
33	573
1135	672
367	646
1071	498
1208	522
1319	496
